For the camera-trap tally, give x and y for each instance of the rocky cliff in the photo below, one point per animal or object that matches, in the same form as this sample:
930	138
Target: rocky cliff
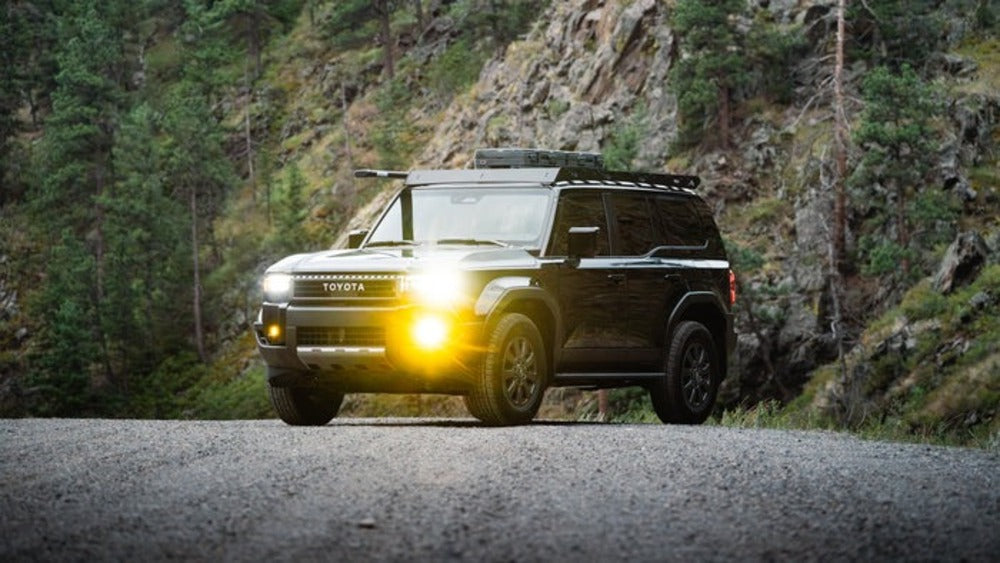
588	69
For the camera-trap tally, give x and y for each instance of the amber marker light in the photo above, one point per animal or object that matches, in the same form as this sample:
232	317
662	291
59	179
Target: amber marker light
430	332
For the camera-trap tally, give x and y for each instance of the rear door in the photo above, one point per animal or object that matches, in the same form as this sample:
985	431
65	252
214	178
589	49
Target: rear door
649	233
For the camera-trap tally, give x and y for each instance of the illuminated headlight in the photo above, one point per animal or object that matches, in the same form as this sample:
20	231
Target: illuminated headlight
436	288
277	287
430	332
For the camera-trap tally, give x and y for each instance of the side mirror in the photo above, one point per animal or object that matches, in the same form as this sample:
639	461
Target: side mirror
582	243
355	238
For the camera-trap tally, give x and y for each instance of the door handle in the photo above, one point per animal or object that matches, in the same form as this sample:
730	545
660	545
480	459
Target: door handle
616	278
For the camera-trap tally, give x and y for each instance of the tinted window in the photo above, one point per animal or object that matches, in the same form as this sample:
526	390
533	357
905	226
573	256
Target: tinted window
679	224
579	209
634	223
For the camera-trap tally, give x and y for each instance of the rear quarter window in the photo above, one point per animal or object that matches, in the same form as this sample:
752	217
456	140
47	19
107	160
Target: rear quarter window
680	222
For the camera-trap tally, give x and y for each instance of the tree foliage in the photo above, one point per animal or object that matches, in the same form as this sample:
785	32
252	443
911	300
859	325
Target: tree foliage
894	33
146	267
289	233
721	65
712	67
897	136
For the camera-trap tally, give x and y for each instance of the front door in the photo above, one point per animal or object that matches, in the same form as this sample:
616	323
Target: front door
592	293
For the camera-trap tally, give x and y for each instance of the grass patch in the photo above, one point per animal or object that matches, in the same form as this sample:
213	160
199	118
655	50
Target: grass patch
939	381
986	53
924	302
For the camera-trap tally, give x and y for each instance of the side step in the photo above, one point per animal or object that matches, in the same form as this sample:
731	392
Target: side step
604	380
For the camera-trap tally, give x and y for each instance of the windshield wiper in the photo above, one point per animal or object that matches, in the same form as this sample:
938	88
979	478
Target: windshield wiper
391	243
470	241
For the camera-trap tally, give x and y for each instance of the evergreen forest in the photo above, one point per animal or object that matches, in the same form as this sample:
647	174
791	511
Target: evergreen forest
157	155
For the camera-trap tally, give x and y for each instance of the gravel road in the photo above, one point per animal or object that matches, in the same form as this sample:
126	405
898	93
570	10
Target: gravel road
405	489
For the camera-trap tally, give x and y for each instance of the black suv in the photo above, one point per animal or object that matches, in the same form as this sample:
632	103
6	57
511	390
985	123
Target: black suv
535	269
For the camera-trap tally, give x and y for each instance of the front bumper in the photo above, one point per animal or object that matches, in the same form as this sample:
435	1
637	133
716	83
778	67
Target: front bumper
367	349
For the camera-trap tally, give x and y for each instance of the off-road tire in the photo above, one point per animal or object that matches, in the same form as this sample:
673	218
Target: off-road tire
510	383
686	392
304	406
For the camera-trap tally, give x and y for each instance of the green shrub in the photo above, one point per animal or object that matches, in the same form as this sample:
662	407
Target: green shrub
456	69
923	302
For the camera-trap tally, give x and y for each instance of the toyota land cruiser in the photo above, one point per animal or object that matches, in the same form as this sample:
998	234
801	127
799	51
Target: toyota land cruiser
533	270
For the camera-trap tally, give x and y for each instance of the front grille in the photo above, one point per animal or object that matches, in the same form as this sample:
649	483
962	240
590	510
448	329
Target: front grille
364	336
345	286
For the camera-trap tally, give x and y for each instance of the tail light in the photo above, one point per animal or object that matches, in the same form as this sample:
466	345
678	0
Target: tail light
732	288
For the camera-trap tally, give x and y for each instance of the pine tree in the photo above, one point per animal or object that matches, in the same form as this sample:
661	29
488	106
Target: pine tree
62	363
75	158
13	48
897	32
896	136
711	69
199	172
79	132
253	21
292	212
145	258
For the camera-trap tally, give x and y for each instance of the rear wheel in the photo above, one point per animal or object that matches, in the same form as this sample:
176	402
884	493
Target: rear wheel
509	386
686	392
303	406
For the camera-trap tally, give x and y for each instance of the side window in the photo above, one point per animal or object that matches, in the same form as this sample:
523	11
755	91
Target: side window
679	223
634	223
583	208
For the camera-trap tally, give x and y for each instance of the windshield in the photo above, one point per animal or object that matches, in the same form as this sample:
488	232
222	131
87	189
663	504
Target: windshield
465	215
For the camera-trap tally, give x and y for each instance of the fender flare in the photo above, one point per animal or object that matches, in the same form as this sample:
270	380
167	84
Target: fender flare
521	290
700	298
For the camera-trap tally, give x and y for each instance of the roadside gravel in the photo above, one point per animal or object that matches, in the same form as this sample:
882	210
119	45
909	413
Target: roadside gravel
406	489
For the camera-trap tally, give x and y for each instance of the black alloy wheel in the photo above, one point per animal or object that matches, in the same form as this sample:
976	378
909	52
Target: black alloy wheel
686	393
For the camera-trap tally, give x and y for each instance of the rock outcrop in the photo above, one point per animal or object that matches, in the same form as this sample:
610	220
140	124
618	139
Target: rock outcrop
962	262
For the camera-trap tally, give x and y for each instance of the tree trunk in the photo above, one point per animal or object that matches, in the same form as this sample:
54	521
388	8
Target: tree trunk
495	25
254	39
902	229
99	295
418	8
724	116
382	7
247	136
199	336
347	127
840	147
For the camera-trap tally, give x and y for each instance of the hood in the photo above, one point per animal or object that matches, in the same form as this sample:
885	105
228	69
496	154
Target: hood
369	260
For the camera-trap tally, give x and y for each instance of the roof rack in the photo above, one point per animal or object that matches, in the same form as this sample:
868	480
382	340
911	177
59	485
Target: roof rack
537	166
551	176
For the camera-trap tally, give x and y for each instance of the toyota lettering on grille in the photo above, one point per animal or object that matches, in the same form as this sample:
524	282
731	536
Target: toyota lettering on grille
355	287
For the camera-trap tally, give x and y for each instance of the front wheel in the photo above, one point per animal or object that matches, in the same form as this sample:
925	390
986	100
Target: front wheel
509	386
686	392
304	406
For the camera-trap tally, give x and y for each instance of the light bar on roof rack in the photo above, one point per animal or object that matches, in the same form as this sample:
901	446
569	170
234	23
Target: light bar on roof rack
366	173
537	158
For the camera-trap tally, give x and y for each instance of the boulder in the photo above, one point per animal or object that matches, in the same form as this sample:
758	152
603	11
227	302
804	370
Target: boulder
962	262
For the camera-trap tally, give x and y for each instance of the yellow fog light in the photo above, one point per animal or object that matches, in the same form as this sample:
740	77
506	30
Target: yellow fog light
430	332
274	333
